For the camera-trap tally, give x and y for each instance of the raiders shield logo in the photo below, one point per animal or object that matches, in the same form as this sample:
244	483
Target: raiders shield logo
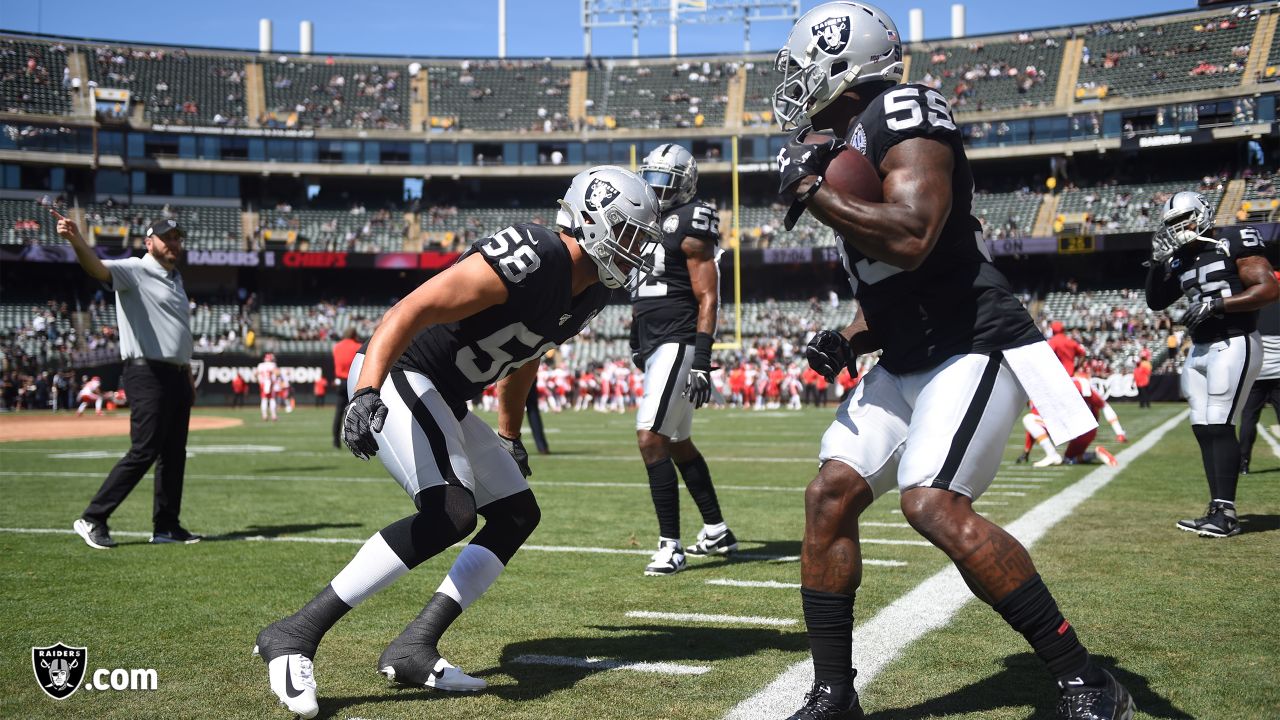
671	224
860	138
59	669
600	194
197	370
832	34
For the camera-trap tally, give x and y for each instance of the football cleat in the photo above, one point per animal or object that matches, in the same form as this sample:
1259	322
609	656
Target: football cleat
1110	702
1106	457
1024	457
669	559
819	705
95	535
411	670
1048	461
1122	438
1219	521
293	681
721	544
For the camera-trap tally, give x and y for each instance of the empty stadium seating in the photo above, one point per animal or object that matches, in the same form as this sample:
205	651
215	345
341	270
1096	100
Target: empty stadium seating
329	94
207	228
1126	208
1165	56
500	95
757	104
979	75
651	95
344	230
176	87
32	77
26	222
1260	202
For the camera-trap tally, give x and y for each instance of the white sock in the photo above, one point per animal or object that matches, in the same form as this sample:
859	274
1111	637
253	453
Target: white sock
713	530
373	568
264	408
1047	446
1113	419
472	573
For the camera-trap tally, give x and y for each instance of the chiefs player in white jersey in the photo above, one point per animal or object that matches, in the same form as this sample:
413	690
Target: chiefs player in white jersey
266	385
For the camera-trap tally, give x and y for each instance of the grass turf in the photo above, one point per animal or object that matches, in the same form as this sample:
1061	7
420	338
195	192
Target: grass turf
1188	620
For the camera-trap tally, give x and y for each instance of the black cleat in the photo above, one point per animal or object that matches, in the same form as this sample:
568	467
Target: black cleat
1219	521
1024	457
94	534
1244	466
177	535
419	665
1110	702
819	705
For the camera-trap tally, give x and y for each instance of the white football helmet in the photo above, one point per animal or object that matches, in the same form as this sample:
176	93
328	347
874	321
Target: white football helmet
672	173
1186	217
614	216
830	49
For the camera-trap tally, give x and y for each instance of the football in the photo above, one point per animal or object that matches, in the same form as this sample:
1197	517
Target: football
850	172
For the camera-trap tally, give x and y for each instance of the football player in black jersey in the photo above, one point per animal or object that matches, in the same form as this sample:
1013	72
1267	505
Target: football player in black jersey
960	356
490	317
1225	274
673	328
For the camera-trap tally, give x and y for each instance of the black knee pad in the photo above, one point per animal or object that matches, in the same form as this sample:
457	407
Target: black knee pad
446	514
508	523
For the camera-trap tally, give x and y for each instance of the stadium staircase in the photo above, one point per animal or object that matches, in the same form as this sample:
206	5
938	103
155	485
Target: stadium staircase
419	101
1260	50
1069	73
81	102
255	94
1047	215
737	97
577	96
1231	200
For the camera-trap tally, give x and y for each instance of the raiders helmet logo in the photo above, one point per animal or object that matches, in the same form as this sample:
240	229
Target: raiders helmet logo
59	669
832	34
671	224
600	194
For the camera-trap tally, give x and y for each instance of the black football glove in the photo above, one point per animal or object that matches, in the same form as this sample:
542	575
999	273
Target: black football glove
518	453
828	353
364	417
698	387
797	160
1201	311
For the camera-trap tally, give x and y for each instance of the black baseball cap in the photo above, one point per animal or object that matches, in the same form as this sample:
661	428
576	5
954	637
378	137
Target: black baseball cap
164	225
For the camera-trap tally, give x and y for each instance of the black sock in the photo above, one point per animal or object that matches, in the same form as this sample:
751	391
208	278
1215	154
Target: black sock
316	617
666	496
1226	461
697	477
1032	611
429	626
1204	435
828	618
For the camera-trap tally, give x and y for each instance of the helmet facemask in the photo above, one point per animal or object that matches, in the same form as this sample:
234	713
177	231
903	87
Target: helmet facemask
1180	227
621	239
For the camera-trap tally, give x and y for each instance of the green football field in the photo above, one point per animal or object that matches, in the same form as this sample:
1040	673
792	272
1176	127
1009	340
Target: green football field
568	631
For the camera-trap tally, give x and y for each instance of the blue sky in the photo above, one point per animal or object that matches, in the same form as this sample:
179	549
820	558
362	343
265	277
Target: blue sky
430	28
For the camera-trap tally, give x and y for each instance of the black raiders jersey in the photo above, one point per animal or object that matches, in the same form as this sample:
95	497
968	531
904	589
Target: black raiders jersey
957	301
664	307
1205	270
464	357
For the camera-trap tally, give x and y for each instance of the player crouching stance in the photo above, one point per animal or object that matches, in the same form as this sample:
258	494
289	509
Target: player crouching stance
961	356
1225	273
491	316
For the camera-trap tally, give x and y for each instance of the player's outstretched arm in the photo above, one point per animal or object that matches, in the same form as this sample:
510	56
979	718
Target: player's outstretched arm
1260	286
459	292
513	391
901	230
89	260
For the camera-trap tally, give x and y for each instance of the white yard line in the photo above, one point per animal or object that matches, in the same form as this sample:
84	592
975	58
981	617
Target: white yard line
715	619
1266	435
932	603
589	663
773	584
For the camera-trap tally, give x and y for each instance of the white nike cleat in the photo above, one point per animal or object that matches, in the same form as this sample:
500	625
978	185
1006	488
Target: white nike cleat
293	681
1048	461
669	559
444	675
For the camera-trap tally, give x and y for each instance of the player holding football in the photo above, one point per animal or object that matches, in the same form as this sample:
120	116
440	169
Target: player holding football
673	328
489	317
1226	275
960	356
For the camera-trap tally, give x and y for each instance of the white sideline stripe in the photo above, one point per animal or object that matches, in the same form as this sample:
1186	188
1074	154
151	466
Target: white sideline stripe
1005	493
1015	486
1266	435
534	548
718	619
753	583
590	663
932	603
868	523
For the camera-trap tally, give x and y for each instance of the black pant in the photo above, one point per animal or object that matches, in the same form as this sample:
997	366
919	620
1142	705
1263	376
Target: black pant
1144	396
1262	392
339	410
160	400
535	420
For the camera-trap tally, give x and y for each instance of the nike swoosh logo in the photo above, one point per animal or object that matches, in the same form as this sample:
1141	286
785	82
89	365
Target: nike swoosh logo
289	689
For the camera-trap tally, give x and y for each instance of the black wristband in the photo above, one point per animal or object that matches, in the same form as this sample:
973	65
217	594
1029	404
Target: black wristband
807	195
702	343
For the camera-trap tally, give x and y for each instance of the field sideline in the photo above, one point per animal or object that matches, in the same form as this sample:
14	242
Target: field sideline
573	630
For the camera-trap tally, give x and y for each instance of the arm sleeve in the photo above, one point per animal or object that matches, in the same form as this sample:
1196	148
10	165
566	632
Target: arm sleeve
124	273
1162	290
